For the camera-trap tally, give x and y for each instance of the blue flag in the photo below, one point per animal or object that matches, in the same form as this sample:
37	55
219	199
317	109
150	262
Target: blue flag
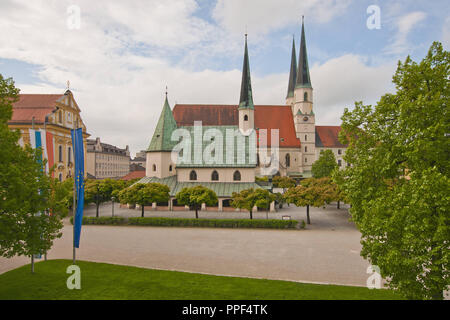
78	149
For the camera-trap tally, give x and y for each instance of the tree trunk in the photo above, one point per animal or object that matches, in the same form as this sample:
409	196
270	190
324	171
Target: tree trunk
142	207
196	212
251	214
308	221
98	205
339	204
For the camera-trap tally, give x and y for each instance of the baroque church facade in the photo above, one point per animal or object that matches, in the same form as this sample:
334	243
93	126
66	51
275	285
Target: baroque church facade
244	141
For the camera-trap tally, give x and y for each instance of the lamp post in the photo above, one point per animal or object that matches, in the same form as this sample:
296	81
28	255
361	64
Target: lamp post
112	200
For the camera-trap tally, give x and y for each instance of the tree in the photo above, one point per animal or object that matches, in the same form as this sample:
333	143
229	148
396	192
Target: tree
60	197
196	196
283	182
249	198
145	194
398	180
324	166
24	190
312	192
98	192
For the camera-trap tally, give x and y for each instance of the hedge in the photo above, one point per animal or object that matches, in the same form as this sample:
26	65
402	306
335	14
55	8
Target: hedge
204	223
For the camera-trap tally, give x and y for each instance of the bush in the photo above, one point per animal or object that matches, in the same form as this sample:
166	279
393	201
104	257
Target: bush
203	223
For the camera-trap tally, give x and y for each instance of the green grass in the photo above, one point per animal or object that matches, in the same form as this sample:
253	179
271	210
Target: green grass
108	281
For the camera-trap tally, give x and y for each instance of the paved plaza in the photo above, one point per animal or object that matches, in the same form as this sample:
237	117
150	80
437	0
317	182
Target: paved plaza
327	251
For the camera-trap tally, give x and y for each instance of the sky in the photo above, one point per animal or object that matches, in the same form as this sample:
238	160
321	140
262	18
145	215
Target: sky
119	56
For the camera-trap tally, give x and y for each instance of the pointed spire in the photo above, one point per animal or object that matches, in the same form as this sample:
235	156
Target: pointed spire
161	140
293	72
246	98
303	78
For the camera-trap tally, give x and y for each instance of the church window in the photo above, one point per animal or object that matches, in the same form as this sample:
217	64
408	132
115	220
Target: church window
170	168
306	160
215	176
237	176
154	167
305	96
306	149
193	175
246	118
288	160
306	137
60	154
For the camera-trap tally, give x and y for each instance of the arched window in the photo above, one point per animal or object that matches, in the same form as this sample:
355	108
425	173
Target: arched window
237	176
154	167
288	160
170	168
60	154
305	96
215	176
306	137
69	155
306	149
246	118
193	175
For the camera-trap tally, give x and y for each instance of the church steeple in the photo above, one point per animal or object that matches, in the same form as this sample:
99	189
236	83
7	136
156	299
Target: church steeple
246	97
303	78
293	72
166	125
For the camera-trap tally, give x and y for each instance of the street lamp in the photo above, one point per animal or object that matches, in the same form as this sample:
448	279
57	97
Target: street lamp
112	200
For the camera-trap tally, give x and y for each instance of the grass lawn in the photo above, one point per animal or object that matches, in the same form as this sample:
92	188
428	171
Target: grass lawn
108	281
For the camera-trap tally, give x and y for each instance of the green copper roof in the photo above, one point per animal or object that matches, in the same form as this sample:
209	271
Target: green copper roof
163	131
239	159
303	78
293	72
222	189
246	98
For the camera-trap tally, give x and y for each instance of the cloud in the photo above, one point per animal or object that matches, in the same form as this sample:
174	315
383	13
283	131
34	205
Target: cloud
118	62
404	25
262	16
446	34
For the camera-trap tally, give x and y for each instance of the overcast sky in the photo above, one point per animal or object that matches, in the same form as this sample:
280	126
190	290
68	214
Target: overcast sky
125	53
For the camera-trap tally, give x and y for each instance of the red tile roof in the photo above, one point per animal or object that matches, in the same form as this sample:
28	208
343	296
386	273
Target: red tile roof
134	175
328	137
266	117
33	105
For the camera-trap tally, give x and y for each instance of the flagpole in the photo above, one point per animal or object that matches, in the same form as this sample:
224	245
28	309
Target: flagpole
32	255
74	192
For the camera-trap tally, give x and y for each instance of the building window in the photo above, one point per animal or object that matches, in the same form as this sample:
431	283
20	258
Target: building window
288	160
246	118
215	176
170	168
60	154
339	163
306	137
69	155
60	177
306	160
306	149
237	176
305	96
339	151
154	167
193	175
60	116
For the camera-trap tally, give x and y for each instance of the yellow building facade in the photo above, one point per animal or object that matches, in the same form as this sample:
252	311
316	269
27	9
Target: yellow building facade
57	114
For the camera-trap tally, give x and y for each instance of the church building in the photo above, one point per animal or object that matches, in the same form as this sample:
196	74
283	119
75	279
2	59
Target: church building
225	147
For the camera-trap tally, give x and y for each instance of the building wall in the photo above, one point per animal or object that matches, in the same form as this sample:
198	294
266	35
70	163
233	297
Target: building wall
336	151
106	161
160	165
225	174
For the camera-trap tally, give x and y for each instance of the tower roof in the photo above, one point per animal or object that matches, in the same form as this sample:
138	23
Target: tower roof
161	140
246	98
293	72
303	78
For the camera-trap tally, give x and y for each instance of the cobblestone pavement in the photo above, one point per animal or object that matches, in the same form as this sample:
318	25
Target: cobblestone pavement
327	251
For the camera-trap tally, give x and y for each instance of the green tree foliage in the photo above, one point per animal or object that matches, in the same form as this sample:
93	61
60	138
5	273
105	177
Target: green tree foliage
312	192
249	198
283	182
398	183
24	190
324	166
101	191
61	196
145	194
195	196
